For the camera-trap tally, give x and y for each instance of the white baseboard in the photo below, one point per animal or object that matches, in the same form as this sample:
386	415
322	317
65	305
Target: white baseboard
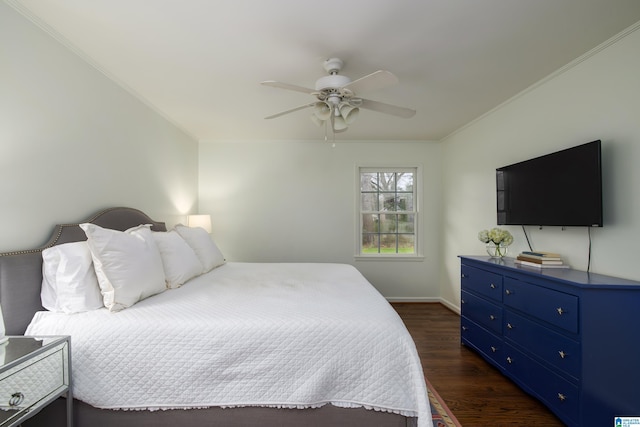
412	299
450	306
453	307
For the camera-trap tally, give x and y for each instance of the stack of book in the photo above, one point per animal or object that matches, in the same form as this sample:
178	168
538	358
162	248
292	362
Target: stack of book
540	260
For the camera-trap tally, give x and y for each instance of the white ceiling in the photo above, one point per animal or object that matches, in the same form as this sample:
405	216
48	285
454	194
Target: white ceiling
200	62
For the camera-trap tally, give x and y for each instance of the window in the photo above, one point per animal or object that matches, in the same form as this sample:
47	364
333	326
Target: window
388	211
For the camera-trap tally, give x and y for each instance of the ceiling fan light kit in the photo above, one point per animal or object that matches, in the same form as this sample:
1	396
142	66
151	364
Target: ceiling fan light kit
339	124
322	111
336	101
316	120
349	113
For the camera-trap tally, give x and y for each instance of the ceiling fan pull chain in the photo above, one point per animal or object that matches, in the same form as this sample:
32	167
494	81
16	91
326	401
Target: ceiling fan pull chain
325	132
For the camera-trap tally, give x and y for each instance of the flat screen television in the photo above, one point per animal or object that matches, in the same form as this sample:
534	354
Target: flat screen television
559	189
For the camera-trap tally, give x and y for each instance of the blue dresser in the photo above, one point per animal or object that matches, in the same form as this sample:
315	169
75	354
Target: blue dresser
569	338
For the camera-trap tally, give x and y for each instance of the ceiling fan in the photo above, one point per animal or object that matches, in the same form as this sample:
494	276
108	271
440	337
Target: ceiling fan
337	102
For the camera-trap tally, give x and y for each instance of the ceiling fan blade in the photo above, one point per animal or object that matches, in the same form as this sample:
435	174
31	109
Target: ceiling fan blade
290	111
381	107
372	81
288	86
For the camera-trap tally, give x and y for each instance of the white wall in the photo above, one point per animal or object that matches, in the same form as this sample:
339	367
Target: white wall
597	97
295	201
73	142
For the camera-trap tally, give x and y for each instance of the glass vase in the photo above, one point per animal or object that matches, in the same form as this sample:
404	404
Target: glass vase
496	250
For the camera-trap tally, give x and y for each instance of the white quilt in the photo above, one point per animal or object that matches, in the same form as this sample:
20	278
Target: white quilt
245	334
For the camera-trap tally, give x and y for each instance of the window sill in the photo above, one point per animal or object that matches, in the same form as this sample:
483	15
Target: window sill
389	258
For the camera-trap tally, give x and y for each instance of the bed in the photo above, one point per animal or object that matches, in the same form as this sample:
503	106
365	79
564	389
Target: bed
243	344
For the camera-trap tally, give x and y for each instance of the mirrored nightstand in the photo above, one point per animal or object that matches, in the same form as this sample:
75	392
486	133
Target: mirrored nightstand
34	371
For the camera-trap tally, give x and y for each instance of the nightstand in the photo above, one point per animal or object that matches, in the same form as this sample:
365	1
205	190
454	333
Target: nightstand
34	371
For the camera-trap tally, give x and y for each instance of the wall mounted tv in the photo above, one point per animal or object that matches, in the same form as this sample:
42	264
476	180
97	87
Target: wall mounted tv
562	189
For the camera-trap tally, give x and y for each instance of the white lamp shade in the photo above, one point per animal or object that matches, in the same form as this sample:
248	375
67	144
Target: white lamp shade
322	110
339	124
349	113
316	120
203	221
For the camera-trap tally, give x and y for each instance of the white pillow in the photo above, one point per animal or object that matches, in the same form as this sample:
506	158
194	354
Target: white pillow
200	241
128	264
180	261
69	282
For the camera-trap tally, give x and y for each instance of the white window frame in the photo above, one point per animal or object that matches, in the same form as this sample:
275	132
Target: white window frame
417	190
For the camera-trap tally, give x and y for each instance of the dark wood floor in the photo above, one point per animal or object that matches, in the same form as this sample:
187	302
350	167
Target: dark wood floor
477	394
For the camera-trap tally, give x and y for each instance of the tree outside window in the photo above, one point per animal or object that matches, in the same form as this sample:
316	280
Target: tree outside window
388	211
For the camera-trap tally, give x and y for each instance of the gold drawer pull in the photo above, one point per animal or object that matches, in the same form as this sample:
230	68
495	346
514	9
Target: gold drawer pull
16	399
509	360
562	397
562	354
560	311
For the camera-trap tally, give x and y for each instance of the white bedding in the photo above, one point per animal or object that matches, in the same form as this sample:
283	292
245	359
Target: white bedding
245	334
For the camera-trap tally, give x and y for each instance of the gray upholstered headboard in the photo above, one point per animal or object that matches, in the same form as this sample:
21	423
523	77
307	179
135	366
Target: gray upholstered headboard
21	271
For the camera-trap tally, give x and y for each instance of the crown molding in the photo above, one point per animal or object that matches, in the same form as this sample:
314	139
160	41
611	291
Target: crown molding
602	46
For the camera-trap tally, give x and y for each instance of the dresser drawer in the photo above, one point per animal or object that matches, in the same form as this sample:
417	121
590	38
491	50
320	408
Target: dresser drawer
482	311
553	348
28	383
554	307
560	395
482	282
483	341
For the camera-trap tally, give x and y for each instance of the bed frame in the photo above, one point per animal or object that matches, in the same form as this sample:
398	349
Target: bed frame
20	283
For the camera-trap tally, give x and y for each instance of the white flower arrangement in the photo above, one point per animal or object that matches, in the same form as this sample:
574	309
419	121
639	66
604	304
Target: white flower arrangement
497	236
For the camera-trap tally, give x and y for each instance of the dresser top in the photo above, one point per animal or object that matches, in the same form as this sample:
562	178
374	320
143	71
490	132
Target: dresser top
567	275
